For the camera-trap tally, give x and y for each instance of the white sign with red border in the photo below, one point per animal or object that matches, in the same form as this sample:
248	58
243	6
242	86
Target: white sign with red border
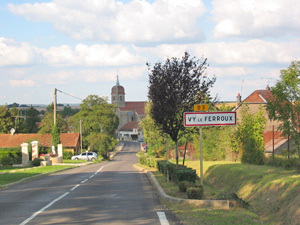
196	119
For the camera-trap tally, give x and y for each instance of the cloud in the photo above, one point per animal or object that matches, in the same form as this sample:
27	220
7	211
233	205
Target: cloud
249	53
256	19
113	21
22	83
13	53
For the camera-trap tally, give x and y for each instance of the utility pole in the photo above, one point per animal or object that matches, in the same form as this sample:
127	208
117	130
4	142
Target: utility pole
81	135
54	109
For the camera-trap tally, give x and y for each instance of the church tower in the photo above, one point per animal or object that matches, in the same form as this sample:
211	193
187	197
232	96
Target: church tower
118	94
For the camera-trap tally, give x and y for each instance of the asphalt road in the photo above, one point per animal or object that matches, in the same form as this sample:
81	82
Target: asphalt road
104	193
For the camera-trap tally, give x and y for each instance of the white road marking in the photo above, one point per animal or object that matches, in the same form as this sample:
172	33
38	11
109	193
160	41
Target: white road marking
162	218
43	209
84	181
91	176
73	188
57	199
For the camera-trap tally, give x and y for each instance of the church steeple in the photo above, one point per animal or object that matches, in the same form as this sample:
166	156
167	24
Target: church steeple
118	94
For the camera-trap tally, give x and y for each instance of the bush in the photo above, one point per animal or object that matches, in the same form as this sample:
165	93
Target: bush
185	175
184	185
36	162
67	155
195	192
9	157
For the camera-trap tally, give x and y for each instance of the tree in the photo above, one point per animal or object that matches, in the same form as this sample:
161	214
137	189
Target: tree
175	87
47	122
249	136
32	117
55	135
6	122
284	106
97	117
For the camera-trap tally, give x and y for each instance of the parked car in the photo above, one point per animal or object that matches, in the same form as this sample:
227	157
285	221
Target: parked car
85	156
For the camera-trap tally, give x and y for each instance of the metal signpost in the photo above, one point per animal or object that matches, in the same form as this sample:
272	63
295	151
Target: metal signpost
200	119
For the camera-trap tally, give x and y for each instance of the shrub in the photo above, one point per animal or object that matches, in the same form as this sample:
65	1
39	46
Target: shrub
10	156
184	185
67	155
195	193
185	175
36	162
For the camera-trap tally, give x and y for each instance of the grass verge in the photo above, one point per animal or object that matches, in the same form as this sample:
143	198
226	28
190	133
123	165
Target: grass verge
12	175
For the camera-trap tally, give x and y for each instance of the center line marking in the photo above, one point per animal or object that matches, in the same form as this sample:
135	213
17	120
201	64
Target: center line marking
84	181
73	188
43	209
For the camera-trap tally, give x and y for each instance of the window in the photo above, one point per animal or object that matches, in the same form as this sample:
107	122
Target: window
114	98
121	98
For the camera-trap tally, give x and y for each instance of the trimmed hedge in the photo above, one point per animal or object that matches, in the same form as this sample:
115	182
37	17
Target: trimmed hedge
9	156
195	192
177	173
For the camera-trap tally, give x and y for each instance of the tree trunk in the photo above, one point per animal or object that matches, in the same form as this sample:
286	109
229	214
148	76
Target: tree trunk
184	152
176	142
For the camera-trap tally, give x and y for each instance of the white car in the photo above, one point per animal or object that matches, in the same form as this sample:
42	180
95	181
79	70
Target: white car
85	156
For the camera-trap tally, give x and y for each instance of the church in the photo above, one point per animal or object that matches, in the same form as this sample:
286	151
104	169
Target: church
129	113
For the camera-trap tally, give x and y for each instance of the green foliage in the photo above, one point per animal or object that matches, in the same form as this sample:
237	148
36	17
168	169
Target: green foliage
98	116
32	117
174	88
101	143
6	122
67	155
284	106
287	163
249	136
9	156
37	162
195	193
68	111
184	185
48	122
55	135
177	173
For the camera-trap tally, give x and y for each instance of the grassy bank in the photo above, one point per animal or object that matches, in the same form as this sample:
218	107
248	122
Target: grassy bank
272	195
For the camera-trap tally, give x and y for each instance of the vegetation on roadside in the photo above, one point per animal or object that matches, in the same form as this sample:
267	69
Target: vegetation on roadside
10	175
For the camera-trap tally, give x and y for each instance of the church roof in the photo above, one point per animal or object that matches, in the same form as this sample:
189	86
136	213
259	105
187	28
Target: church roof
138	107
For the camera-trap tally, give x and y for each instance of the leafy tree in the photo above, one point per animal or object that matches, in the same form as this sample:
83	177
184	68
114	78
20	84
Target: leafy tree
284	106
6	122
68	111
249	136
98	116
55	135
175	87
32	117
47	122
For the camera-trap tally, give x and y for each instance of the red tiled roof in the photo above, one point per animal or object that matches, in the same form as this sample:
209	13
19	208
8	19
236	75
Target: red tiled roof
130	126
67	139
139	107
189	147
259	96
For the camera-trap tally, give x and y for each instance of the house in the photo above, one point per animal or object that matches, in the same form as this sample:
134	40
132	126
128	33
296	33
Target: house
127	112
70	141
256	100
129	131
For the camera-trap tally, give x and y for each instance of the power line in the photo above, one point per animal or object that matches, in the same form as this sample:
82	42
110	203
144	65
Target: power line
69	95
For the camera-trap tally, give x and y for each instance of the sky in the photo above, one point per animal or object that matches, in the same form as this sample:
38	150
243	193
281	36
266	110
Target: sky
79	47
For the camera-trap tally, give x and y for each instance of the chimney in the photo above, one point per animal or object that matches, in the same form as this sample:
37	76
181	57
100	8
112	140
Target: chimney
238	99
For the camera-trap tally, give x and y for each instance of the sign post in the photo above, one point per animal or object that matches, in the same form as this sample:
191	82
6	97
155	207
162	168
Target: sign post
200	119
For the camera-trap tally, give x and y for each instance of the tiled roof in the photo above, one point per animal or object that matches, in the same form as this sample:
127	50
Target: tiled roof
130	126
259	96
139	107
189	147
67	139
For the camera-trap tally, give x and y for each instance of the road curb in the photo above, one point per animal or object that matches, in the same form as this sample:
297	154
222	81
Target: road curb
215	204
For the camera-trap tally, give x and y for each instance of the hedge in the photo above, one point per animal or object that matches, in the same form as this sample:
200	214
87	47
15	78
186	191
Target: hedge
9	156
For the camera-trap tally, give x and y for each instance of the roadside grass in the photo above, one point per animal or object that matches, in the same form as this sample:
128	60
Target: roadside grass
272	195
16	174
